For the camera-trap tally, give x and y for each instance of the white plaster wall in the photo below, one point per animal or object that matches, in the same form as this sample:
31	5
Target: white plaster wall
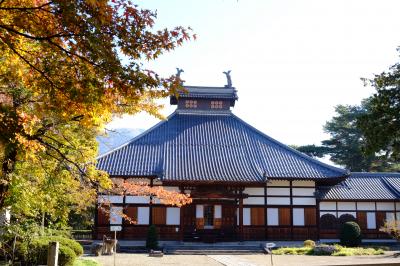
140	180
254	200
276	191
366	206
385	206
254	191
390	216
137	199
272	216
110	199
346	206
397	205
199	211
304	201
303	183
303	191
246	216
173	216
275	183
115	215
176	189
278	201
217	211
344	212
327	205
298	216
371	220
143	215
322	213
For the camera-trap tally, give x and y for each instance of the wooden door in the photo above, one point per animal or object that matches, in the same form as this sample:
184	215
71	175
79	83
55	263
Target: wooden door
189	216
228	216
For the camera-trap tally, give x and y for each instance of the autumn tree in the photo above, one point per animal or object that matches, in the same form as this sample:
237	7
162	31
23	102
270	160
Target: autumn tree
66	67
381	126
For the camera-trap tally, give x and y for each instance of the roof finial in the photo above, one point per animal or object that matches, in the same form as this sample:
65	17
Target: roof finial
228	78
178	73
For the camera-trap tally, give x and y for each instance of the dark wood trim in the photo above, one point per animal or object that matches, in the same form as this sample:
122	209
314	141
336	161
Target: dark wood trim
124	212
181	218
291	210
265	212
151	205
241	217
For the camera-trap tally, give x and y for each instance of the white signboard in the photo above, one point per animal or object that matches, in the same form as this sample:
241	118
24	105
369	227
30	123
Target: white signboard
115	228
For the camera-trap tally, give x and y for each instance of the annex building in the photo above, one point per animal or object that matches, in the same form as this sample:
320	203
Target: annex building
244	184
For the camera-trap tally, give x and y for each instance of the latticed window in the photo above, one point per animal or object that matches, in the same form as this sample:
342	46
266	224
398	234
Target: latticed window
191	104
216	104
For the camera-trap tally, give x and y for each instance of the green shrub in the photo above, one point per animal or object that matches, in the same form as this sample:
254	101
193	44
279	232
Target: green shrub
66	256
35	252
72	244
350	234
152	238
309	243
293	251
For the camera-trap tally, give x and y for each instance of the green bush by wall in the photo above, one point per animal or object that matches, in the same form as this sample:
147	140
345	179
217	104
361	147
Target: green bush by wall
350	234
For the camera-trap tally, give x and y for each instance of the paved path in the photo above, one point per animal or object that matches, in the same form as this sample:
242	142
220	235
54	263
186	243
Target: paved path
231	260
245	260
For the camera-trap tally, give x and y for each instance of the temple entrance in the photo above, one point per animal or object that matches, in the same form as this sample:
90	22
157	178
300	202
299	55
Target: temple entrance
213	215
210	222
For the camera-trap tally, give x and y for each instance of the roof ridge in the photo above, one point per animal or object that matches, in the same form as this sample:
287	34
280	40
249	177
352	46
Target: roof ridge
306	157
376	173
390	187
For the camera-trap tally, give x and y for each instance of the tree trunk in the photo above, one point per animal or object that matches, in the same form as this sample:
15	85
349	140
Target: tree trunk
7	168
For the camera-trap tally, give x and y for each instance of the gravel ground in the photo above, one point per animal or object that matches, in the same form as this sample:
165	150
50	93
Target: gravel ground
245	260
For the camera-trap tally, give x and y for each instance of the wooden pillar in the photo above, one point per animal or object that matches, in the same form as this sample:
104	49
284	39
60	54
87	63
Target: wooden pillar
317	218
291	210
265	212
151	205
124	211
241	217
181	211
52	254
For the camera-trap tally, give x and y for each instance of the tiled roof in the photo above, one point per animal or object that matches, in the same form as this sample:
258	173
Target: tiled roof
211	146
364	186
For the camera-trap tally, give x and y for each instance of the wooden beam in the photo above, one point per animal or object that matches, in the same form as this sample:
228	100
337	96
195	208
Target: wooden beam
181	210
151	205
241	218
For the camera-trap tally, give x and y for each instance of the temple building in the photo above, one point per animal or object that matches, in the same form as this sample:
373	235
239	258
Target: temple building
244	184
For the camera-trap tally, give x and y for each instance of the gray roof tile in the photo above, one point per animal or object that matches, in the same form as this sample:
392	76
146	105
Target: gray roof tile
364	186
211	146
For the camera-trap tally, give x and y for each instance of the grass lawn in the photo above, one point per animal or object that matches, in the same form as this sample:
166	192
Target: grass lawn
340	251
86	262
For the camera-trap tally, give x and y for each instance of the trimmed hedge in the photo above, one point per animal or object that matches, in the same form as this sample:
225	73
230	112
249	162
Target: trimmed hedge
152	238
35	253
66	256
309	243
350	234
72	244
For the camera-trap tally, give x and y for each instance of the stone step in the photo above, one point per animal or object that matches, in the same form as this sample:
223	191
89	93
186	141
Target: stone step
210	251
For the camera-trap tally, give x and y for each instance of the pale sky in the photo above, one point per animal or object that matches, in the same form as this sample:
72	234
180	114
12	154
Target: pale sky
291	61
